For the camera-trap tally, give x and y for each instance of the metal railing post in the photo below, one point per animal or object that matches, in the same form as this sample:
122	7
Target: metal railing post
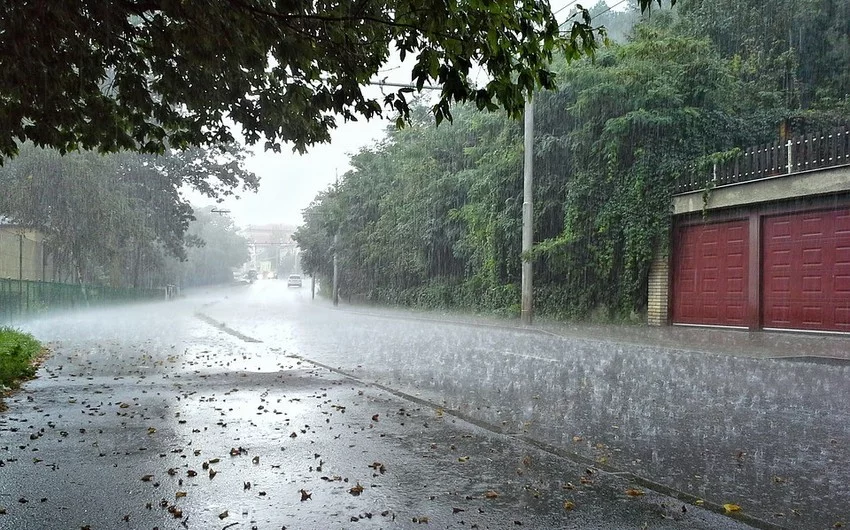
789	145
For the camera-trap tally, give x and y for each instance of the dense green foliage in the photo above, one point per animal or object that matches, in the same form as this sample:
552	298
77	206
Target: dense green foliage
17	353
432	216
216	249
123	220
145	75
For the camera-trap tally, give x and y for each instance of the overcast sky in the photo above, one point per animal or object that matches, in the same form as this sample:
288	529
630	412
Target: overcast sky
288	181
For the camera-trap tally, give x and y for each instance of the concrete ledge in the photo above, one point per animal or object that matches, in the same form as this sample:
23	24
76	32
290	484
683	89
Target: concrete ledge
807	184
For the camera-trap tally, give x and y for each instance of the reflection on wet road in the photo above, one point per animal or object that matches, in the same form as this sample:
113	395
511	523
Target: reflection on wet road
149	417
772	436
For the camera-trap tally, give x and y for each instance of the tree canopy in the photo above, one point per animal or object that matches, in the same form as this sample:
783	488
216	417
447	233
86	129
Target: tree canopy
123	219
432	217
148	74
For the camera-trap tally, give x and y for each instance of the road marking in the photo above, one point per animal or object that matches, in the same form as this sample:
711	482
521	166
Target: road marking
226	329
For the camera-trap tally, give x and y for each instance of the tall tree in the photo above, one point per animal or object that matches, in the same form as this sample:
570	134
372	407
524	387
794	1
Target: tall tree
433	216
215	249
798	50
111	217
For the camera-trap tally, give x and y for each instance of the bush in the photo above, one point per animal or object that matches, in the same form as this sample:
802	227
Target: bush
18	352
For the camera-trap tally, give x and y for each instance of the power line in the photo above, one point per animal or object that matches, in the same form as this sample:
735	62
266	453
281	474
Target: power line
609	8
402	85
566	6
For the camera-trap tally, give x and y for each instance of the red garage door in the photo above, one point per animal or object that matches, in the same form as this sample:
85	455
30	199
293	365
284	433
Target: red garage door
710	274
806	271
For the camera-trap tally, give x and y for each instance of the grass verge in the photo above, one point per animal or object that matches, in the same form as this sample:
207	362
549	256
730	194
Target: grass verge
19	356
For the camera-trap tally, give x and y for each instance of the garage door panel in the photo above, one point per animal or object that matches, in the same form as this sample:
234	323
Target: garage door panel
806	271
710	274
842	318
841	283
812	315
813	256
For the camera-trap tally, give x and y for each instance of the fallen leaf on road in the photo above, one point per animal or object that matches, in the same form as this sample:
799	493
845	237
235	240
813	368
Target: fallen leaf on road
634	492
491	494
356	490
463	459
223	515
305	495
569	505
180	494
375	417
147	478
729	507
151	430
457	510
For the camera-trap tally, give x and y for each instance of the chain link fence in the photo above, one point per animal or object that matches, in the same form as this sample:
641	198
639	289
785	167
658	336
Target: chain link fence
22	298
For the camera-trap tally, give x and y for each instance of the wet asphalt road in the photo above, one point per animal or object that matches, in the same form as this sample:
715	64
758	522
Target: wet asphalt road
154	392
770	435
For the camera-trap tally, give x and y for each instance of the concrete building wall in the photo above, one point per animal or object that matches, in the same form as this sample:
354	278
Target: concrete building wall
783	187
22	254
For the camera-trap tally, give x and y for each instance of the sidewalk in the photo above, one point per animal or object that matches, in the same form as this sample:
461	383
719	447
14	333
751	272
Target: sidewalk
805	346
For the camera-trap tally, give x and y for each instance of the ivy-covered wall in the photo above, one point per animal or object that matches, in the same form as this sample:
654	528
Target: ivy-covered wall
432	217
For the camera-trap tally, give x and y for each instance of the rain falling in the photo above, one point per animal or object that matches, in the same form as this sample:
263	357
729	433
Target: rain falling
460	265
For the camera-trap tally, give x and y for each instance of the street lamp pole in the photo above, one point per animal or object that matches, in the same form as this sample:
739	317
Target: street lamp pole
527	308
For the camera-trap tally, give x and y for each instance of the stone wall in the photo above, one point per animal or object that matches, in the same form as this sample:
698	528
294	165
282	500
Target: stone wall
659	289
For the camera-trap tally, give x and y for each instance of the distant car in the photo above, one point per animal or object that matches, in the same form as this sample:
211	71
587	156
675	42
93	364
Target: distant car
294	280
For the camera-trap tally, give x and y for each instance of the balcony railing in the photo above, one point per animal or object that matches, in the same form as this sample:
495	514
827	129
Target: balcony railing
798	154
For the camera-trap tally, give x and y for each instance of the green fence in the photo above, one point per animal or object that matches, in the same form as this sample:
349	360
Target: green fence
20	298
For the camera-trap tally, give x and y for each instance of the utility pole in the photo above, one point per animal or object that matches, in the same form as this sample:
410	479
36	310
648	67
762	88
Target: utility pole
527	311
